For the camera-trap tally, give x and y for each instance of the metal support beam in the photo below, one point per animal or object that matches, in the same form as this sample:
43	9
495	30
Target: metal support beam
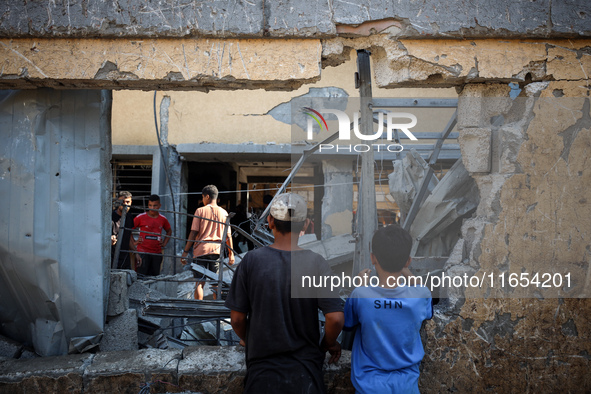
367	221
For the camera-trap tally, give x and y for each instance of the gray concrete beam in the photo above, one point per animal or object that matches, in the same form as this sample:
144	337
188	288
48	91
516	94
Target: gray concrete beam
294	18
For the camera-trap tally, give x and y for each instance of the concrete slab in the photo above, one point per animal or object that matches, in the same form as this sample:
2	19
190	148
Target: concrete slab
121	333
59	374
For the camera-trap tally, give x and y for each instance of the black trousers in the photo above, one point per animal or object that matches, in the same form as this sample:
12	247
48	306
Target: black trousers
150	265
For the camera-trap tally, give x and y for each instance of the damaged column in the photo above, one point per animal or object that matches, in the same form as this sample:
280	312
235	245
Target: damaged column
166	182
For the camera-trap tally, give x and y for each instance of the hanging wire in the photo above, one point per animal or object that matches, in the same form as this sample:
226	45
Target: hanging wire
263	190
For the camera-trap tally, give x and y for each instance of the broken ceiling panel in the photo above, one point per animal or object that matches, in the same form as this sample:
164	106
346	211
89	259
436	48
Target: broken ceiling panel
436	227
406	179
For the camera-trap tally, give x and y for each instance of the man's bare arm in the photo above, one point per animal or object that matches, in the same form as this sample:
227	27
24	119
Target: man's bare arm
334	322
230	253
188	245
238	321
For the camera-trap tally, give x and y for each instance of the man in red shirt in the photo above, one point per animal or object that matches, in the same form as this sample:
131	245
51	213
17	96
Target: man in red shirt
151	241
206	234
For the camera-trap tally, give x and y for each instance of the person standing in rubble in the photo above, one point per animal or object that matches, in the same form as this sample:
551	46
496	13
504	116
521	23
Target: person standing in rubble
127	243
206	235
151	242
284	352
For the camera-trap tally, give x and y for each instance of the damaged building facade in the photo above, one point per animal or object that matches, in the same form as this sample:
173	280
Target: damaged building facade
519	72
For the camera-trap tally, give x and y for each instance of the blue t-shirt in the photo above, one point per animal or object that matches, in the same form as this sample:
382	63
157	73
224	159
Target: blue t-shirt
387	348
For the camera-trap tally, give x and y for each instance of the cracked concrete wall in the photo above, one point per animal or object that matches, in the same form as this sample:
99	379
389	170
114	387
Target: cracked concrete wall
533	217
293	18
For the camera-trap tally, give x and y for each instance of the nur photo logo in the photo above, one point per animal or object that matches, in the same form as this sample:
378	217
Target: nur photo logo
402	121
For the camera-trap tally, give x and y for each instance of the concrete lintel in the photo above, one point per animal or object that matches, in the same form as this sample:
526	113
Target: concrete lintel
134	152
182	64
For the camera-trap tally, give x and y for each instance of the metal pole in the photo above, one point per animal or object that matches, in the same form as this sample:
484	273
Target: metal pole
367	221
221	269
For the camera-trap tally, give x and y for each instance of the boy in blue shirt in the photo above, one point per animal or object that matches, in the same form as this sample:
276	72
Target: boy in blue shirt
387	348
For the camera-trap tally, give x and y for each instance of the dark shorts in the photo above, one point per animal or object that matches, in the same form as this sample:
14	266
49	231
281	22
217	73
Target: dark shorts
208	261
150	264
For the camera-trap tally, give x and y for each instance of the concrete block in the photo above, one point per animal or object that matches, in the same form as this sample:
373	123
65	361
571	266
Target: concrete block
469	112
9	348
61	374
479	103
121	332
125	371
118	298
475	145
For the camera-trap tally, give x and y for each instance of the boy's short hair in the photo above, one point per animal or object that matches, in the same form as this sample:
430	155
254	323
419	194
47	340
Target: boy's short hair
124	194
211	191
154	197
391	245
285	227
